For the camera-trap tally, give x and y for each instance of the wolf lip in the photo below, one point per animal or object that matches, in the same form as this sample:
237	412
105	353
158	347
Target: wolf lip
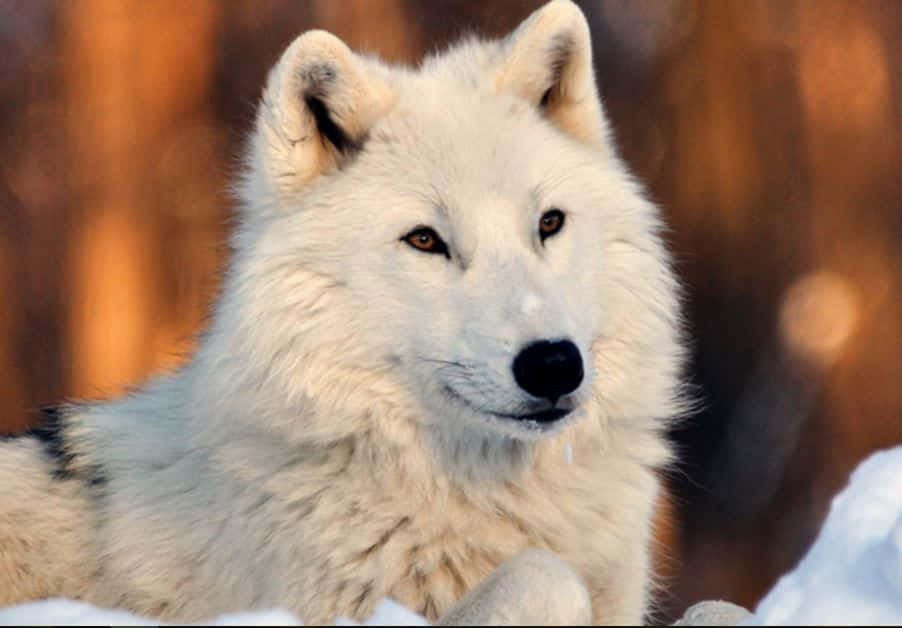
545	416
541	417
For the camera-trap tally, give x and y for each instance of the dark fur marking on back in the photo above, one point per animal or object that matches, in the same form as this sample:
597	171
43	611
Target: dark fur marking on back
5	438
97	478
50	434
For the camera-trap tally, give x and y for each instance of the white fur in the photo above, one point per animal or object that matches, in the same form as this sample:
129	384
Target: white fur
310	456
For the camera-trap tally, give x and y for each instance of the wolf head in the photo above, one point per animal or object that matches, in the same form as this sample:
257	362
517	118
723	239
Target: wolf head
458	244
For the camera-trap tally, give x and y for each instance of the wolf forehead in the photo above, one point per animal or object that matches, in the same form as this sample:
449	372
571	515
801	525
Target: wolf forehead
460	146
471	139
451	119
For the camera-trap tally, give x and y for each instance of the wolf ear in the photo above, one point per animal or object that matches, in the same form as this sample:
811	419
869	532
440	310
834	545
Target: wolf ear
320	101
547	61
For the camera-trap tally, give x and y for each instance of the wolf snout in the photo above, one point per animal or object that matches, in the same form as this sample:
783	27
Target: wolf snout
549	370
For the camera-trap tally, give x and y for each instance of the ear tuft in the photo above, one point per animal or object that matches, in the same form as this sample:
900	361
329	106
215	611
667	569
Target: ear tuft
320	101
548	62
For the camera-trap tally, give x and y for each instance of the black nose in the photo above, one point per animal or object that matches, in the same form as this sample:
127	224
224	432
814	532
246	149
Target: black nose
549	369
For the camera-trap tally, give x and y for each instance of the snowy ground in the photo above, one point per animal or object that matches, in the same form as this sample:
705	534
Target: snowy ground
851	575
853	572
62	612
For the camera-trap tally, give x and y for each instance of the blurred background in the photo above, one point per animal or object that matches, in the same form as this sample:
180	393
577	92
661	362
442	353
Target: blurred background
769	131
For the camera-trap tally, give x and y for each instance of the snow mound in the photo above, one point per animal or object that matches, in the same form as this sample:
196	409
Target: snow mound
853	572
64	612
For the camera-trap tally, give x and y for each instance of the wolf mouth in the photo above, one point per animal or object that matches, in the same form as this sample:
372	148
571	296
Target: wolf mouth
545	416
540	418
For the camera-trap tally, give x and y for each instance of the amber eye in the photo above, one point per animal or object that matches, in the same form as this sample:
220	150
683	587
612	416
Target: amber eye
427	240
550	223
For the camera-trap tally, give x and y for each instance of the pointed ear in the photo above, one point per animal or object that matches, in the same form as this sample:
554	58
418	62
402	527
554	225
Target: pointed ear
319	103
548	62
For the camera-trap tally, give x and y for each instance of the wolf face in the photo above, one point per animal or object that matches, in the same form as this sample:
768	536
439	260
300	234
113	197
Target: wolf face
469	223
471	259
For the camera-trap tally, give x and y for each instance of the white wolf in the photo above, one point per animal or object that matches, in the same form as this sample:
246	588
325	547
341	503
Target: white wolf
448	334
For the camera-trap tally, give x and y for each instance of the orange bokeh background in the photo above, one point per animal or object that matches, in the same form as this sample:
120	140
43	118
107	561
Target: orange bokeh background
769	132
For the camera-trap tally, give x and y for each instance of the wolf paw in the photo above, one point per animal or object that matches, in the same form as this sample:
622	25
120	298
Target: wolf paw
533	588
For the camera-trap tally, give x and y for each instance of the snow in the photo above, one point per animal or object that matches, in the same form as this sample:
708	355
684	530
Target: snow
851	575
853	572
63	612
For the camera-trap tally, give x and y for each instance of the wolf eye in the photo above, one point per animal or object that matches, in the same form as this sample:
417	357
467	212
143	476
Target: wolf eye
427	240
550	223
